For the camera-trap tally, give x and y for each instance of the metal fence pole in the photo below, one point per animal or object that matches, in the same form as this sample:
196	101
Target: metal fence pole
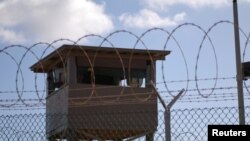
239	66
167	113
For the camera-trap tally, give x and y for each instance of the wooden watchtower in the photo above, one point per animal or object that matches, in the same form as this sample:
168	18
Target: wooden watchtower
100	93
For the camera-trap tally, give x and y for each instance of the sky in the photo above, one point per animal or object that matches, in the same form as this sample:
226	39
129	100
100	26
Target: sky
26	22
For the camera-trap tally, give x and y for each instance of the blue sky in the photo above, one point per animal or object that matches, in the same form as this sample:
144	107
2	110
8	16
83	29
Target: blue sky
47	20
27	22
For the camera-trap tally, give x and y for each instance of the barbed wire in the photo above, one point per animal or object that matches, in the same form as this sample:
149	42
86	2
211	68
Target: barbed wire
218	96
193	80
161	92
41	94
158	83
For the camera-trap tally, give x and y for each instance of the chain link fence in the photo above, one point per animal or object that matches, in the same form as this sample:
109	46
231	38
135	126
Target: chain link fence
191	124
186	125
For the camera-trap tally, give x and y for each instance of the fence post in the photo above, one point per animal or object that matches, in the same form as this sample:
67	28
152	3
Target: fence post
239	66
167	113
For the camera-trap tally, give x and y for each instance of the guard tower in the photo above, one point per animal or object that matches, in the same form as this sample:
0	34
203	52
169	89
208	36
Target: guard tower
100	93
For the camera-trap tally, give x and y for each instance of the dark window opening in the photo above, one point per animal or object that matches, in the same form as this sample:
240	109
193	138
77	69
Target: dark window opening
112	76
56	78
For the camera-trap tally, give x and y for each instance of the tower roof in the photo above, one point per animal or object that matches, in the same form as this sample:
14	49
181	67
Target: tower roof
65	51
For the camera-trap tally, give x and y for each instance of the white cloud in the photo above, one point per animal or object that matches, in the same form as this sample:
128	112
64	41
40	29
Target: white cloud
164	4
47	20
148	18
10	36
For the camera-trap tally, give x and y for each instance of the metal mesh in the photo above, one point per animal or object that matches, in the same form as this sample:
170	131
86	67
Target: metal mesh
186	124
